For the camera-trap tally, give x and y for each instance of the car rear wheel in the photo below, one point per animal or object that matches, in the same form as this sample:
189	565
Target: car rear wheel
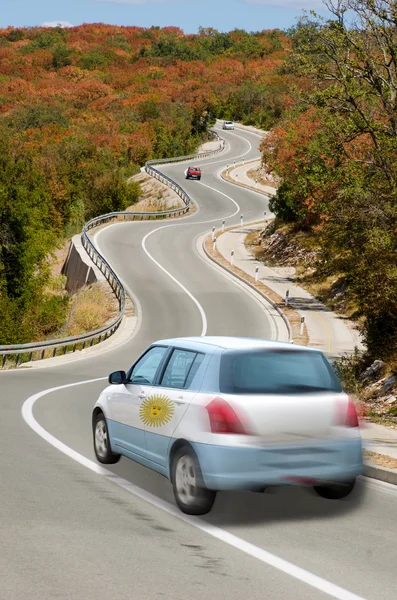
102	448
191	495
336	491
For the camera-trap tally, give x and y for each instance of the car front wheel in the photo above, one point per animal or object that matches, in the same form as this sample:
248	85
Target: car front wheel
102	448
336	491
191	495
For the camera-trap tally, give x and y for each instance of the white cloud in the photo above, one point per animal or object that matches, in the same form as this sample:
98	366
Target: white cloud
57	24
297	4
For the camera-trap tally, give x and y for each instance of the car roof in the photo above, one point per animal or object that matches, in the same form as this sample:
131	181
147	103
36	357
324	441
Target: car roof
233	343
195	168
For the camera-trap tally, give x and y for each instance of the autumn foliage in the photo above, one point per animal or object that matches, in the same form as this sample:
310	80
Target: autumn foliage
336	151
81	109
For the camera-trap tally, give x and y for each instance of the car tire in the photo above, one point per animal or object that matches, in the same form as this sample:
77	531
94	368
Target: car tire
336	491
199	178
102	448
190	493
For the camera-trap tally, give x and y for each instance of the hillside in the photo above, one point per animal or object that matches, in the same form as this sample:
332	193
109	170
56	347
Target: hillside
82	109
335	153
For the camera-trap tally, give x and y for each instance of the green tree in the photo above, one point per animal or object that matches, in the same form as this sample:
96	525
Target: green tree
350	167
61	57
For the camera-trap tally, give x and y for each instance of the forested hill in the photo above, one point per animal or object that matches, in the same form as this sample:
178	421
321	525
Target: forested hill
82	108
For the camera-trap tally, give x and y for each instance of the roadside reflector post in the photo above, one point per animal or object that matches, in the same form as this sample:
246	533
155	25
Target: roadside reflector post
242	220
264	215
302	324
287	297
223	225
232	258
214	243
256	273
213	233
256	183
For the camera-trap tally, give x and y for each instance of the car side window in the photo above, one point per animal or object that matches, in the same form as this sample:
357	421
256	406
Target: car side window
197	362
178	369
145	370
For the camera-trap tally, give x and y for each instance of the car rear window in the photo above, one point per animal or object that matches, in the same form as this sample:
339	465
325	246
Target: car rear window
276	372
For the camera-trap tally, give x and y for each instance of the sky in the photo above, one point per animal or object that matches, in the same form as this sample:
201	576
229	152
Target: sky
189	15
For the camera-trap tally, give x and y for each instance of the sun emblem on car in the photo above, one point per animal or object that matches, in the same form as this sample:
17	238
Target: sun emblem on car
156	410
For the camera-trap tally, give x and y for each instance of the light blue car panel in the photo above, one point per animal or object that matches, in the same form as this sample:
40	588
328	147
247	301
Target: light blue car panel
244	468
125	437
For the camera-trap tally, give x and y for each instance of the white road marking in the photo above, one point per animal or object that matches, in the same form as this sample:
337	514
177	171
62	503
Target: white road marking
174	279
193	298
272	316
282	565
196	302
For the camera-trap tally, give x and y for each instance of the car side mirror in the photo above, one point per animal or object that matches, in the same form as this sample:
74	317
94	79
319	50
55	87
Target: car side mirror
117	378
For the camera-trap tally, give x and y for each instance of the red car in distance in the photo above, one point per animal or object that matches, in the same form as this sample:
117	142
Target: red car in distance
193	173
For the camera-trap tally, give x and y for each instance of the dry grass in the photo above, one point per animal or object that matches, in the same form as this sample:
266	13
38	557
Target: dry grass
381	460
90	308
259	176
227	177
291	315
156	196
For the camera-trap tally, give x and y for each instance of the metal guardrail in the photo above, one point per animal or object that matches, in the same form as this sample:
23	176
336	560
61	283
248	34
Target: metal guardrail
21	353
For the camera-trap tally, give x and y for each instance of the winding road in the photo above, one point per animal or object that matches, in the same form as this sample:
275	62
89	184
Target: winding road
71	529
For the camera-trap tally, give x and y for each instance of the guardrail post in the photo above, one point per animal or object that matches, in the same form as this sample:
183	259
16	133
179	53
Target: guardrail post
42	354
17	360
54	352
3	362
302	325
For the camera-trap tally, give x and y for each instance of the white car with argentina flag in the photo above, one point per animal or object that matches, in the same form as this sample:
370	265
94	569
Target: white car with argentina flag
225	413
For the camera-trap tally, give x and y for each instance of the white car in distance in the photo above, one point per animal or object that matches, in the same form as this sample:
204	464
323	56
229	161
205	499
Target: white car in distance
228	125
227	413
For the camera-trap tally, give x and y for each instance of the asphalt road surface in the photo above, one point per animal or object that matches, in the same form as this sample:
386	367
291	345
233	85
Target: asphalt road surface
72	529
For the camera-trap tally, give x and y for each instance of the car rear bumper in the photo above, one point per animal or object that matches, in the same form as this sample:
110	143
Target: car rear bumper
232	468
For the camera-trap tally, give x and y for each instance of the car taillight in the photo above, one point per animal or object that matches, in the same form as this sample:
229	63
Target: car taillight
347	418
223	418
